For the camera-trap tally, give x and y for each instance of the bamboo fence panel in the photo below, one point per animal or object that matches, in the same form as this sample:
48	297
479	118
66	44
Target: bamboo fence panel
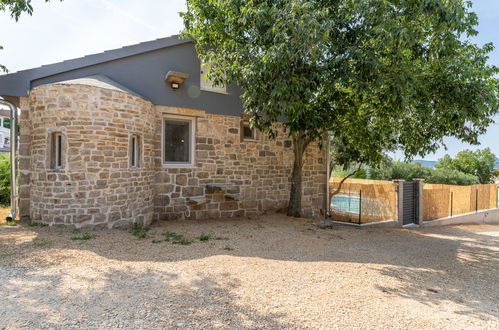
363	201
441	201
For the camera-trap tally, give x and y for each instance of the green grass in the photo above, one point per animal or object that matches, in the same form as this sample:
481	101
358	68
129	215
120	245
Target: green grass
36	224
42	243
84	237
6	255
139	231
175	238
206	238
182	241
10	224
76	231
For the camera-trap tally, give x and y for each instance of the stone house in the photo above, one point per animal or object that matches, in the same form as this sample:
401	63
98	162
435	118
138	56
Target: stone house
139	134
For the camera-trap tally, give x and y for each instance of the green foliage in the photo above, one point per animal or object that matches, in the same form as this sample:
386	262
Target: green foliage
204	238
36	224
4	179
9	223
367	71
6	255
480	163
139	231
408	171
42	243
84	237
176	238
377	75
449	176
341	172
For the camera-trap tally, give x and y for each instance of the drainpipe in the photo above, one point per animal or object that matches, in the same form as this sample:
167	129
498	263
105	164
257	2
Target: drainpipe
13	159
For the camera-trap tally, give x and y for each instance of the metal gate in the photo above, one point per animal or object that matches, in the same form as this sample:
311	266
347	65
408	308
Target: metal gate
410	203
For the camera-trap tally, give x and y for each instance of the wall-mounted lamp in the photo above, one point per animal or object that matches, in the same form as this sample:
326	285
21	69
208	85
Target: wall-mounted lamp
175	79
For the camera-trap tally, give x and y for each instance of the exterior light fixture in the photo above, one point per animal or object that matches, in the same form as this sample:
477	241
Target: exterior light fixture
176	79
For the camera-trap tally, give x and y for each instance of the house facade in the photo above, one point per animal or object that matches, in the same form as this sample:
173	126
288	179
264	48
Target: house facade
139	134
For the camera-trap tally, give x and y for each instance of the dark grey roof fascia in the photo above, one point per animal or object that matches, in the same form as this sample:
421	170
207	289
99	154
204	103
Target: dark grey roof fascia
18	83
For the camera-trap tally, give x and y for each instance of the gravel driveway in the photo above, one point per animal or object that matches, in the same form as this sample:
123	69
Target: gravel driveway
274	272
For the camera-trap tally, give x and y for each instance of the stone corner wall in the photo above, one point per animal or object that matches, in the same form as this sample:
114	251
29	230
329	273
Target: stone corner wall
96	185
234	177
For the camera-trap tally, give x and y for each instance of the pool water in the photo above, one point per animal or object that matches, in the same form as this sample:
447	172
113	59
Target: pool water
348	204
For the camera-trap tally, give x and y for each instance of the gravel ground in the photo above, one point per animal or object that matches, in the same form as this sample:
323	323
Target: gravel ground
274	272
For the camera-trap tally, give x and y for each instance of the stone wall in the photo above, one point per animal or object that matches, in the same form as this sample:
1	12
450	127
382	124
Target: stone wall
96	184
233	177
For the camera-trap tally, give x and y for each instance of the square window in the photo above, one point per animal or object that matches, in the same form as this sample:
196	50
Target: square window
248	132
207	84
178	137
135	151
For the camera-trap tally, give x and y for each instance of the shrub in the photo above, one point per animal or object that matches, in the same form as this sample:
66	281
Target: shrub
408	171
4	179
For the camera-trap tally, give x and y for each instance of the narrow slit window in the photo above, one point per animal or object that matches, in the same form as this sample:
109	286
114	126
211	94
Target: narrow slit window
135	151
56	150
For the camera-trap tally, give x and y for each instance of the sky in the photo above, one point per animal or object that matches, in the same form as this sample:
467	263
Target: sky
59	31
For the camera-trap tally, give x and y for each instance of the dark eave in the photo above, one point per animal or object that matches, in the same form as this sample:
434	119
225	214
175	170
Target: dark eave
19	83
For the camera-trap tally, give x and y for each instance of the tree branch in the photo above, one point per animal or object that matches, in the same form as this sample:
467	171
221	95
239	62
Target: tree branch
344	179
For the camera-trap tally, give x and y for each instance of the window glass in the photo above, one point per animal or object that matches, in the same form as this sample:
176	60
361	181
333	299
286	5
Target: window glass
6	122
135	151
207	84
177	141
56	151
248	132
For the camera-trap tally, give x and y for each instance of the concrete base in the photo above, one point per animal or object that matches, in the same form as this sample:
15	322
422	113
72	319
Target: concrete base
331	223
490	217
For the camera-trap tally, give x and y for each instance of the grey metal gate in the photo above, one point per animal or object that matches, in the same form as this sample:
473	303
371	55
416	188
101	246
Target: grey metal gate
410	203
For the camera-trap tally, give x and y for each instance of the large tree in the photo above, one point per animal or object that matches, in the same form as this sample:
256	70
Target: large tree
376	74
480	163
15	8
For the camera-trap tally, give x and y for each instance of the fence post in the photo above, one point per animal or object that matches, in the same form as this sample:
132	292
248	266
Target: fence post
400	201
476	201
360	207
419	200
451	202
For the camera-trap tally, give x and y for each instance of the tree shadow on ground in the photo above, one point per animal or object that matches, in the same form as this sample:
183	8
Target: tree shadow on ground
432	266
114	298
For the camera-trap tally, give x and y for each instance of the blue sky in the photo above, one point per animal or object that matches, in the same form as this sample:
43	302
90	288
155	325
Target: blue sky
63	30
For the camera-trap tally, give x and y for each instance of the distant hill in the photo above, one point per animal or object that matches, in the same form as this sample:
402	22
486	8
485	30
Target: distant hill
426	163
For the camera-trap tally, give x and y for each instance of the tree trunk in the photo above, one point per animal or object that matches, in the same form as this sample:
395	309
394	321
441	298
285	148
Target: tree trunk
294	205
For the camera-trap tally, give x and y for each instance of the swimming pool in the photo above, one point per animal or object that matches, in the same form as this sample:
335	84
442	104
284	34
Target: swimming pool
346	204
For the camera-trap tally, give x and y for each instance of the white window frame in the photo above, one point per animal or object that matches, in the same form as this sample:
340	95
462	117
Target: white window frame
192	145
135	151
206	84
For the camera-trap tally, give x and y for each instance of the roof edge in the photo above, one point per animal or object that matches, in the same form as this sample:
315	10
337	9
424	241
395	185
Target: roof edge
94	59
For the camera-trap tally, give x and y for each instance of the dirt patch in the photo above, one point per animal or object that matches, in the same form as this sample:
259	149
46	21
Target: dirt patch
274	272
